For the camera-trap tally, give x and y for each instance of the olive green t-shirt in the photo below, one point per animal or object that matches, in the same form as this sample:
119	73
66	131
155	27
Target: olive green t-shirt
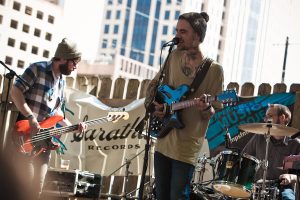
184	144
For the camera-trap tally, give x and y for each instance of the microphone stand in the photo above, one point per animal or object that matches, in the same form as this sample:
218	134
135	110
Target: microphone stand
10	75
144	120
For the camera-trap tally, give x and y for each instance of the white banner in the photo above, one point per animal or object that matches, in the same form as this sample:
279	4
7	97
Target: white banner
104	148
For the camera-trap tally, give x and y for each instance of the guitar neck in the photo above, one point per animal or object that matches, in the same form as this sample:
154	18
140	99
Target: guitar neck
68	129
190	103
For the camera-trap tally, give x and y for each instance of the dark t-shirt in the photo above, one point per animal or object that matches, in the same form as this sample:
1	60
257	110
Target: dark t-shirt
278	150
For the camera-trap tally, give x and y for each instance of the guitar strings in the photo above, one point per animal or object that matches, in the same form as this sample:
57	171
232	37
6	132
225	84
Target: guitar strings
43	135
58	131
49	133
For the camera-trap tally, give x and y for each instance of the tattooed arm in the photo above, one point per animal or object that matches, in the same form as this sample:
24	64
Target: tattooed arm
151	92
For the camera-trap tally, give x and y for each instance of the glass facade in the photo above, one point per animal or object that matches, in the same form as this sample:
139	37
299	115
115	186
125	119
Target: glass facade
137	20
251	37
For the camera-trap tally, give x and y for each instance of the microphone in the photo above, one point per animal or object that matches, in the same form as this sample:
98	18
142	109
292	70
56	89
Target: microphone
173	42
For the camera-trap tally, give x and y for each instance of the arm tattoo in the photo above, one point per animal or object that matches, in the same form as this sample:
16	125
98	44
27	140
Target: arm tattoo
151	91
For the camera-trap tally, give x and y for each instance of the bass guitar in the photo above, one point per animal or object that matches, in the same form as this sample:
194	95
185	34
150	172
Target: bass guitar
171	98
32	146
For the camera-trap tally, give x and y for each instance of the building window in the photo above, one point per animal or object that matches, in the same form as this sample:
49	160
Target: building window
48	36
37	32
23	46
220	45
165	30
108	14
16	6
50	19
223	15
34	50
39	14
114	43
2	2
25	28
167	14
106	28
202	6
8	60
13	24
116	29
28	10
109	2
118	14
104	43
221	30
46	54
177	13
11	42
1	19
134	69
162	43
150	62
20	64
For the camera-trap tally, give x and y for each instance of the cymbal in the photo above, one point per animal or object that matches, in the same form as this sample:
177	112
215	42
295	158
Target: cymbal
275	129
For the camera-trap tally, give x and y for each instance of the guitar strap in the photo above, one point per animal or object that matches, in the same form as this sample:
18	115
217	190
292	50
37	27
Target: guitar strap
200	76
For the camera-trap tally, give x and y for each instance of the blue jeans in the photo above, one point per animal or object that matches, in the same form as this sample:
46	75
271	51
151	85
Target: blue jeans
172	178
287	194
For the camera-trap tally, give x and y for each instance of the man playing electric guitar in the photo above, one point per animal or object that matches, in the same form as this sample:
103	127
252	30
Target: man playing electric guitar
39	96
176	153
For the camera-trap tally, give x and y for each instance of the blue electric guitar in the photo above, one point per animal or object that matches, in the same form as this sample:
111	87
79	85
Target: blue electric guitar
171	98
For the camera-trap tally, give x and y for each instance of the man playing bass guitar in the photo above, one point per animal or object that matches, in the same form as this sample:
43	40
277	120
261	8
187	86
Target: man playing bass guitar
176	152
39	96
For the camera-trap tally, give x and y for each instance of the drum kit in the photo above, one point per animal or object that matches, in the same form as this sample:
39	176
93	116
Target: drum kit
234	173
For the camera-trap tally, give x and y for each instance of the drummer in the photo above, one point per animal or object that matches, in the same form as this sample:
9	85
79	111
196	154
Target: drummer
279	147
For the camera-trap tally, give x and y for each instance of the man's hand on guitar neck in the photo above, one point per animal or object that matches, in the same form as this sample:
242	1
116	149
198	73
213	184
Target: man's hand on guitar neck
204	105
82	127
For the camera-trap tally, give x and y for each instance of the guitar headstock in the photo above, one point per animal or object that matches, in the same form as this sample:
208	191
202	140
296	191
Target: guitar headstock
228	97
116	116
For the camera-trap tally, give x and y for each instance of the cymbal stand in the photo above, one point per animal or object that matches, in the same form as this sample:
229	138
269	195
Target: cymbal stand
265	161
200	167
127	172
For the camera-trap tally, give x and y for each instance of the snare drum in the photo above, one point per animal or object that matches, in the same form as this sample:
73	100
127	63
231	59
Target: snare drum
235	174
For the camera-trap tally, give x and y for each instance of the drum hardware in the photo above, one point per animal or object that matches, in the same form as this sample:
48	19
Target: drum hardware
272	190
200	169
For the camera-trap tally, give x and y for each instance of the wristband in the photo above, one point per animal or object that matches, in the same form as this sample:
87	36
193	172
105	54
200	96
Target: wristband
29	116
207	108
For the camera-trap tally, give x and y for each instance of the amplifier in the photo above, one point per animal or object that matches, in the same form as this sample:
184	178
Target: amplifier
65	183
88	185
60	182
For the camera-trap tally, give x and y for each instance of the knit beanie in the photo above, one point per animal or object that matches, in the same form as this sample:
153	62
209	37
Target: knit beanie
198	22
67	50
